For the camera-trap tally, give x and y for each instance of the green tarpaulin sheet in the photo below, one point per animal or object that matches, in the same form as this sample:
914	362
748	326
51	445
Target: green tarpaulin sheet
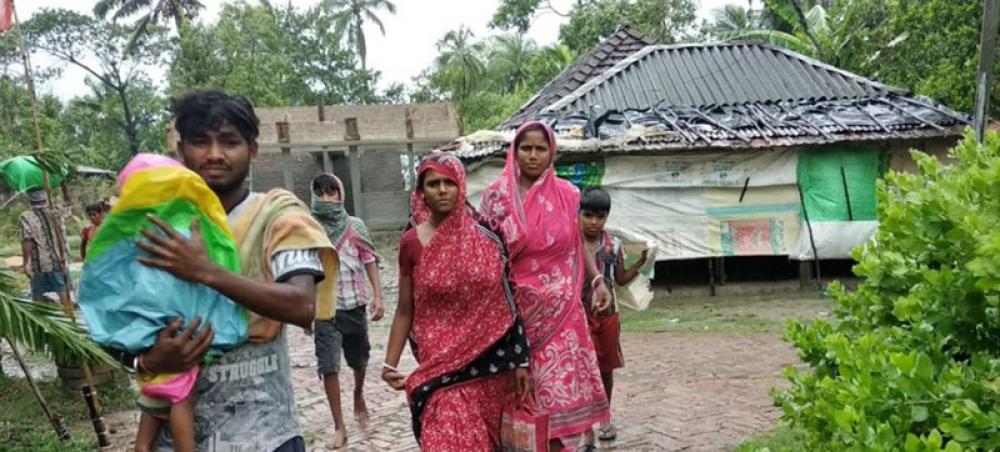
23	174
583	175
823	174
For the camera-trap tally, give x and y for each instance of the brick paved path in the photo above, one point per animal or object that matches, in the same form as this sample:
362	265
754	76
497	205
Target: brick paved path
699	392
692	392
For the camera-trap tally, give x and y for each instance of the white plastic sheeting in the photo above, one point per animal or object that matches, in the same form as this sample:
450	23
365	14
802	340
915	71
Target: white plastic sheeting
834	239
693	205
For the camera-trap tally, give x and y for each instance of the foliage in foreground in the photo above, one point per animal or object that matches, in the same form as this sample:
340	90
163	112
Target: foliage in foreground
44	328
913	362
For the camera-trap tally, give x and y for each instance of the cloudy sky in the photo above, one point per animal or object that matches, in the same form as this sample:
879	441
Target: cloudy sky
405	50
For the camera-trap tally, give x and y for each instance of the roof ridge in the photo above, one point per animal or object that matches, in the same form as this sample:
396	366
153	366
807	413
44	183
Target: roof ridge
637	56
577	67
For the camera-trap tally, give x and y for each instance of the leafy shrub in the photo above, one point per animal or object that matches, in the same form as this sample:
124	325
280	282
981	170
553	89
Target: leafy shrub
913	361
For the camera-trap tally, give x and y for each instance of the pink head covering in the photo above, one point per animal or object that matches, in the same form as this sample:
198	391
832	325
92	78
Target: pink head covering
527	222
541	229
143	161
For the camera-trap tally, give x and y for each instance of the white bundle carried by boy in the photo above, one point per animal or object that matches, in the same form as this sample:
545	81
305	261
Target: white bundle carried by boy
638	294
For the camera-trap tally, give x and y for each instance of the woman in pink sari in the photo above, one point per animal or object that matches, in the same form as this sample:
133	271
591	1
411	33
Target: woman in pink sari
456	304
537	215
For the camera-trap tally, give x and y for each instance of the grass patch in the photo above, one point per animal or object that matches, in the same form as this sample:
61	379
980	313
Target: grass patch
15	250
23	425
708	319
781	439
728	314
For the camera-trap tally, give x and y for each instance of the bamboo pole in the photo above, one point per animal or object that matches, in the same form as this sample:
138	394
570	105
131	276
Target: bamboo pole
89	390
984	72
54	419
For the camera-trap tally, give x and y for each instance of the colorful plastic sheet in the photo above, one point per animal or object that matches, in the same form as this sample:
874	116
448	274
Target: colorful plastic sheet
126	303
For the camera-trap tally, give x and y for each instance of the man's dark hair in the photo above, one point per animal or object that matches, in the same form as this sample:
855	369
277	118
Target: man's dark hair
201	111
325	183
595	200
95	207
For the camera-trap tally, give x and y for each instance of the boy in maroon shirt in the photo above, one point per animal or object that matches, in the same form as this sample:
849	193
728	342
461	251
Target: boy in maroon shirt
595	204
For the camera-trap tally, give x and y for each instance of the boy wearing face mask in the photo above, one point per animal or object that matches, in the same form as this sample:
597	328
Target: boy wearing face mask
359	293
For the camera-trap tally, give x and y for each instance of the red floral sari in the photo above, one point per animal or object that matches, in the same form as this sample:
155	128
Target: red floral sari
468	338
541	230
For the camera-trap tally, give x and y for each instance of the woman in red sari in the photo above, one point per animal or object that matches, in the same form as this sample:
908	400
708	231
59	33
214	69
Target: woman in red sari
537	214
456	306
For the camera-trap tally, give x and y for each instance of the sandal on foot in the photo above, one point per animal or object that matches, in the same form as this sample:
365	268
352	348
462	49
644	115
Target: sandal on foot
607	432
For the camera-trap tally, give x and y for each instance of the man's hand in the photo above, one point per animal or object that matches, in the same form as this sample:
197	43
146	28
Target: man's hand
177	352
377	309
184	258
603	296
522	383
395	380
27	269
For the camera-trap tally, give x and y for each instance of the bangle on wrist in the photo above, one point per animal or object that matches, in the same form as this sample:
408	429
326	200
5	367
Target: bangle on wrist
593	282
140	366
386	366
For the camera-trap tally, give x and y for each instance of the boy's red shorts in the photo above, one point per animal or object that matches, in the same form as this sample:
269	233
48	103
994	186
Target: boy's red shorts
605	331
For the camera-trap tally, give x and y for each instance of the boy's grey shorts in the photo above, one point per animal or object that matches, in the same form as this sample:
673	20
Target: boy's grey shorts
347	334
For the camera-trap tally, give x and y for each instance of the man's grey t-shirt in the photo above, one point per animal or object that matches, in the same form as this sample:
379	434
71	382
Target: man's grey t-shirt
245	398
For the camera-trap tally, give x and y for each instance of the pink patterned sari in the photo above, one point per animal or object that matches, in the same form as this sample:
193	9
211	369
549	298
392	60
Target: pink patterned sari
546	253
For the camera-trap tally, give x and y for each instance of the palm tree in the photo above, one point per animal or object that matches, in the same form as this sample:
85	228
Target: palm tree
179	11
732	19
511	60
814	33
350	16
460	60
550	61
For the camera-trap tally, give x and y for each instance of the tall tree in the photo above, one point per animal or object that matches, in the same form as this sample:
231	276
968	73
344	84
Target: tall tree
153	13
510	61
350	19
91	123
274	56
665	21
817	33
928	46
515	14
548	62
101	50
733	19
460	65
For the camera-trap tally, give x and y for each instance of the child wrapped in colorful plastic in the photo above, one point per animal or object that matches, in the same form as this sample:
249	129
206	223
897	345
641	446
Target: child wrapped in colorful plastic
126	304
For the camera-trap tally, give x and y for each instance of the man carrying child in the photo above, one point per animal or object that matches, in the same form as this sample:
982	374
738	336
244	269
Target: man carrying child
245	398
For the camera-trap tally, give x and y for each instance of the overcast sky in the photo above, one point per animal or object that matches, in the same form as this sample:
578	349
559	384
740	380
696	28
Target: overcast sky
405	50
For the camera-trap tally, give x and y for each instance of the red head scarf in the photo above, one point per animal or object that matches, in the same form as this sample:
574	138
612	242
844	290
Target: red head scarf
460	306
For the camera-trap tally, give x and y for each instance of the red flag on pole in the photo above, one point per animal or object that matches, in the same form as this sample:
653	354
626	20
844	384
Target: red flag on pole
6	15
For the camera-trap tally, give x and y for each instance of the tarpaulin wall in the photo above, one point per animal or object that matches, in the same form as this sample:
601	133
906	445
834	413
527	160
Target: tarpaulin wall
698	205
838	187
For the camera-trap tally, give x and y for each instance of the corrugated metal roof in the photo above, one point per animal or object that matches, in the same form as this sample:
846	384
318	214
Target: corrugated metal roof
702	75
608	53
741	126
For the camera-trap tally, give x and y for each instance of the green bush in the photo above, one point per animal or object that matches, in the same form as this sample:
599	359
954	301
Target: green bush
912	362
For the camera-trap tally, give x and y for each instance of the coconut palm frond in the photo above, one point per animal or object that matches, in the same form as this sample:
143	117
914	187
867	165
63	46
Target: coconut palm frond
774	37
44	328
